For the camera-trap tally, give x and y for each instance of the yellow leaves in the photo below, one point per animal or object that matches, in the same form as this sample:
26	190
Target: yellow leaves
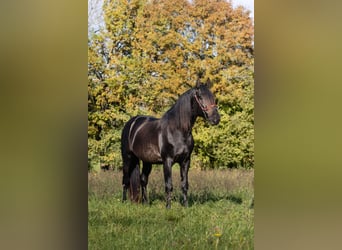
152	51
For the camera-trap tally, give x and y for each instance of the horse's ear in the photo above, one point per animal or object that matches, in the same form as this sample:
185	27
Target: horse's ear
208	83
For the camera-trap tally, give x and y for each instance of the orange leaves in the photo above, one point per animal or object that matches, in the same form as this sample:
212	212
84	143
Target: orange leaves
165	44
154	50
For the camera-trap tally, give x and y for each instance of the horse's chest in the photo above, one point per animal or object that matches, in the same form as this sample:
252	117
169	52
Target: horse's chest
181	152
178	146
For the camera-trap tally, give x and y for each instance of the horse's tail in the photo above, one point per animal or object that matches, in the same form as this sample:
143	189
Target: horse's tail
131	169
135	183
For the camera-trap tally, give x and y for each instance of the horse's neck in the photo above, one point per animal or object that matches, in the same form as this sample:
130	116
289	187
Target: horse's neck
189	118
192	121
181	117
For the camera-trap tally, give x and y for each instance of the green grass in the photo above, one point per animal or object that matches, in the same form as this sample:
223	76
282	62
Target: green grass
219	216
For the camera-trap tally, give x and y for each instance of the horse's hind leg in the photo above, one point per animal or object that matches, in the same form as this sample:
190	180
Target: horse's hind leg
144	180
134	181
131	177
125	178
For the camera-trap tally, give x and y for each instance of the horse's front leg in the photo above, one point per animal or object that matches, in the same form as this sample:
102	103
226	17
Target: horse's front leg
168	181
184	180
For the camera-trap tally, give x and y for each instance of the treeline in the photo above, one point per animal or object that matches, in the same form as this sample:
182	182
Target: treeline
152	51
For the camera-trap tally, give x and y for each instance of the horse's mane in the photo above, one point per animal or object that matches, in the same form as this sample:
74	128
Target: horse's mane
180	114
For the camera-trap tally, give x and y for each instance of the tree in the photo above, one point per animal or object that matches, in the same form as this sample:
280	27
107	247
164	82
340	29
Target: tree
151	52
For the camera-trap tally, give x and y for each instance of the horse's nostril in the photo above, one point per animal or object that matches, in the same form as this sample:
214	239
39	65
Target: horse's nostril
215	120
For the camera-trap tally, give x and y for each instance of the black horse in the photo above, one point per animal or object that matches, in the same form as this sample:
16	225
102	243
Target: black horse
164	141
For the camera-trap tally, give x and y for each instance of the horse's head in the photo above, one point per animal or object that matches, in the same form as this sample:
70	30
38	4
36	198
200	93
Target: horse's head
206	102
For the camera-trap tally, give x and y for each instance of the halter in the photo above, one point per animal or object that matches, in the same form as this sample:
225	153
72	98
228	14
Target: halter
204	108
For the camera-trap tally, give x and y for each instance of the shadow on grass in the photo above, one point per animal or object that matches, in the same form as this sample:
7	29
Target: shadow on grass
196	198
210	197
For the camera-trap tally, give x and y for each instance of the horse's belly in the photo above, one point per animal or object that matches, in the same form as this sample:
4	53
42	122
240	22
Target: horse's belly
149	153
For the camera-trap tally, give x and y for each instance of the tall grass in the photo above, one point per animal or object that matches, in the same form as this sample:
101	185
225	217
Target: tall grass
219	216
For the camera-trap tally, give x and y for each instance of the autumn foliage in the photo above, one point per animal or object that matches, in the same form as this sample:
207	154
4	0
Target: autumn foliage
152	51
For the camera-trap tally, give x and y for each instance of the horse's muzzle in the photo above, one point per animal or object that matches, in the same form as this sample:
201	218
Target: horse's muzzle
214	119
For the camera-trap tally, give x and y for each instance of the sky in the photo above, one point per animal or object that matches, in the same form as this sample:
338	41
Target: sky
248	4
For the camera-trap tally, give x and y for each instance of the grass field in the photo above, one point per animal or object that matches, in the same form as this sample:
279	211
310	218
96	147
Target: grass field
220	213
